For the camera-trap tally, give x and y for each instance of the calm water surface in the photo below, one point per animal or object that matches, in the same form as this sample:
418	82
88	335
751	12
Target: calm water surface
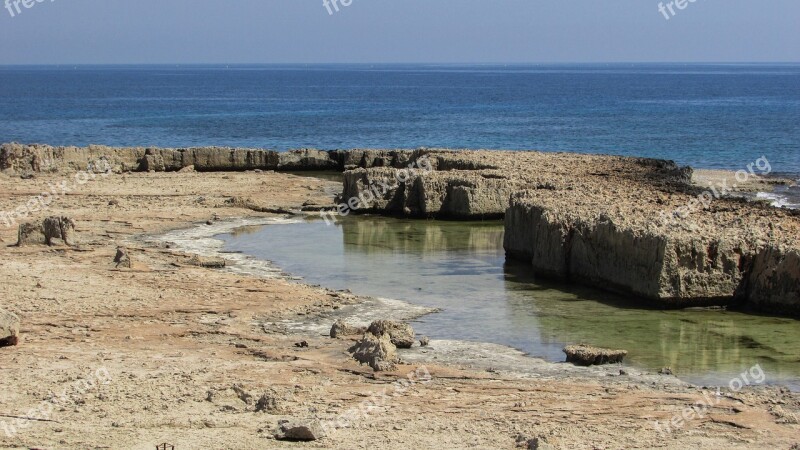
459	267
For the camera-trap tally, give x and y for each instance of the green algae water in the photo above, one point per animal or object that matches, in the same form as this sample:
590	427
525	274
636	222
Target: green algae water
460	268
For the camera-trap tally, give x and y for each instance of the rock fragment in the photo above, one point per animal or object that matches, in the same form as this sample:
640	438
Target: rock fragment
424	341
584	355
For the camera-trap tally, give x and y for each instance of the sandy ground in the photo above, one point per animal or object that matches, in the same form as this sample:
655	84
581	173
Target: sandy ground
169	352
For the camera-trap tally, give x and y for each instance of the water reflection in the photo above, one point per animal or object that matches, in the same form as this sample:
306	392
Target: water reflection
460	267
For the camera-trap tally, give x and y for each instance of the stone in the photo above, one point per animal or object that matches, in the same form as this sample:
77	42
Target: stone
122	258
9	328
401	334
30	234
59	228
584	355
342	328
307	430
273	401
424	341
376	351
208	262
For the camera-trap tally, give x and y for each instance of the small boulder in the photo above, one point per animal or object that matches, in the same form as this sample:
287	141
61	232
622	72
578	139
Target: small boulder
273	402
401	334
342	328
9	328
207	262
424	341
59	228
584	355
122	258
30	234
376	351
299	431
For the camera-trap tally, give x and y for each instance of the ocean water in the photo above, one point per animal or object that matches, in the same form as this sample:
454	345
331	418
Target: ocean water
707	116
460	268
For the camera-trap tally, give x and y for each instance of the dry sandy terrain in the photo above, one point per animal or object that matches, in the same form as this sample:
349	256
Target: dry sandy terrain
180	354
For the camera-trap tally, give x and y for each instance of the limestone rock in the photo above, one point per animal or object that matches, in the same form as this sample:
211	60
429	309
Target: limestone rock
401	334
59	228
30	234
342	328
306	159
584	355
122	258
307	430
376	351
9	328
208	262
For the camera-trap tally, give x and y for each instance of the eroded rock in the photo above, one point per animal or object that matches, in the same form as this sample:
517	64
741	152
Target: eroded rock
306	430
30	234
209	262
376	351
401	334
122	258
59	229
342	328
584	355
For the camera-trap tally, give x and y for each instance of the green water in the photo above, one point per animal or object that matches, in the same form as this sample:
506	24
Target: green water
460	267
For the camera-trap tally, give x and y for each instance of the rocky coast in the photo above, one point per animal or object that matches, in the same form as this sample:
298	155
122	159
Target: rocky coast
205	357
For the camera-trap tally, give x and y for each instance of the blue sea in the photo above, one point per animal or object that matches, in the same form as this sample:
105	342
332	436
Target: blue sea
706	116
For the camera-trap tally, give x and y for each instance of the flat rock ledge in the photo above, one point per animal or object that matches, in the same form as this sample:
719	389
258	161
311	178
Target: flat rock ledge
584	355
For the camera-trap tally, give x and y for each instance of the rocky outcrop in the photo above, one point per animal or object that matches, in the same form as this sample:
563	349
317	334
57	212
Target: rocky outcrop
453	194
772	283
584	355
307	159
9	328
341	328
401	334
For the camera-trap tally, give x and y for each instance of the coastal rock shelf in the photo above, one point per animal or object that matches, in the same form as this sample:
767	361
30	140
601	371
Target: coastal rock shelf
603	221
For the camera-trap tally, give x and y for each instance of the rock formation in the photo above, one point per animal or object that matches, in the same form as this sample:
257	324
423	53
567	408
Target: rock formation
584	355
401	334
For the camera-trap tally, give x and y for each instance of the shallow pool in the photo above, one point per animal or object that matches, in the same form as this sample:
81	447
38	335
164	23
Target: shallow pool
460	267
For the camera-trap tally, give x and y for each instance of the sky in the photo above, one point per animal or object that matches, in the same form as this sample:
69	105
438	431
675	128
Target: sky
397	31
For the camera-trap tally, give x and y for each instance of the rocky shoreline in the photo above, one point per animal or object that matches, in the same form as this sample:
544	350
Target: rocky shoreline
604	221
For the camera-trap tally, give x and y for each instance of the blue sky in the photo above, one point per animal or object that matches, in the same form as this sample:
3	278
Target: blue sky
447	31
